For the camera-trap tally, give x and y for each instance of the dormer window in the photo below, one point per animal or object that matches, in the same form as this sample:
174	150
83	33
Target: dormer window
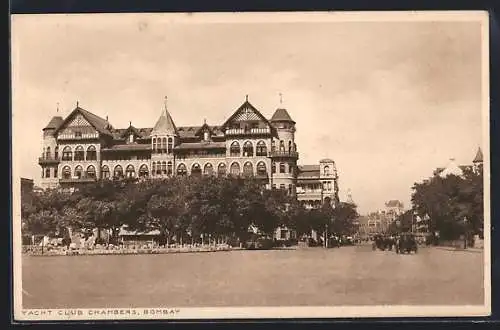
205	136
131	138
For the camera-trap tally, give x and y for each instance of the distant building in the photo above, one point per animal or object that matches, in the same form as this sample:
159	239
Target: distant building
452	168
26	190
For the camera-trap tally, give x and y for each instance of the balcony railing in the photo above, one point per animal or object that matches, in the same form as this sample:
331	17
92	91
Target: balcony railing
82	179
48	160
251	131
284	153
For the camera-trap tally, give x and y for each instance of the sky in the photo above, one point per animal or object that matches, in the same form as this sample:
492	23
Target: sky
389	101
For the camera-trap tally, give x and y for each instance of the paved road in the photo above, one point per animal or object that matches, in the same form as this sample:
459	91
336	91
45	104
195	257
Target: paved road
310	276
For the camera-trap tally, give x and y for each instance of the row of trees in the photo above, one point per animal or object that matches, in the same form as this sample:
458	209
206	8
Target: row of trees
181	208
453	205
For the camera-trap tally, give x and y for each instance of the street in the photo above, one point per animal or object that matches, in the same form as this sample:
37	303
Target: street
303	277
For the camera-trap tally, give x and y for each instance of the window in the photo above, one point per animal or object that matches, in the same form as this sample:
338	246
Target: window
294	147
66	172
273	145
91	172
329	186
273	186
209	169
169	168
56	152
47	153
221	169
154	146
163	169
290	167
282	146
164	145
153	168
261	148
105	172
130	171
248	169
170	145
248	149
196	169
289	146
261	169
143	171
91	153
234	149
78	134
326	170
282	167
67	153
282	187
181	170
47	172
273	168
118	172
131	138
235	169
79	153
205	136
78	171
290	188
55	172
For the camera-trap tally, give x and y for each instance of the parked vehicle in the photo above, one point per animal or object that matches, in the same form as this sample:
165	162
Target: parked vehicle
406	243
383	242
259	243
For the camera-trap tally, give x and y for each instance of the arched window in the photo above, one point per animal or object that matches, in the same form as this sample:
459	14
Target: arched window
282	145
261	169
209	169
169	168
248	149
105	172
78	171
295	147
47	172
164	144
66	172
248	169
273	168
91	153
261	148
164	167
273	145
56	152
234	149
79	153
289	146
290	167
47	153
143	171
326	170
196	169
153	169
235	169
130	171
118	172
170	145
154	146
221	170
67	153
181	170
282	167
91	172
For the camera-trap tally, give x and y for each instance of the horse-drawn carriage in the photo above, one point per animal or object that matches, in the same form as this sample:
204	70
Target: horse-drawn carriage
406	243
383	242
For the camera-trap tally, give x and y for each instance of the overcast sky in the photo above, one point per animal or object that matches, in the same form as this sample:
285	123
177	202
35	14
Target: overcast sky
388	101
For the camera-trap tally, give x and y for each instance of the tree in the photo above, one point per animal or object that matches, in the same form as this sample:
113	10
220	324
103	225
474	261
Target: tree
344	215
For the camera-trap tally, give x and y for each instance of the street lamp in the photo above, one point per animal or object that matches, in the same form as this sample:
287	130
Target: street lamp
465	232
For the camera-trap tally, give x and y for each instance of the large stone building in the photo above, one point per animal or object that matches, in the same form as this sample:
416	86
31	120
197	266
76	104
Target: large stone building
84	147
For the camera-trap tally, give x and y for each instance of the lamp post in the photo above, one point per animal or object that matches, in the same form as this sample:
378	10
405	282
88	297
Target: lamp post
465	232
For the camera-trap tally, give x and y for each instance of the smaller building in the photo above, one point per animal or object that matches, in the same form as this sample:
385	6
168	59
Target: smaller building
27	186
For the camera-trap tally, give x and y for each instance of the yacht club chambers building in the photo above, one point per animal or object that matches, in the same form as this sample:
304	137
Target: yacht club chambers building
84	147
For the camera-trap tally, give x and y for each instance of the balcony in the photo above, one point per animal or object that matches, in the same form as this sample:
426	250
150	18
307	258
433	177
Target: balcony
284	153
83	179
48	160
251	131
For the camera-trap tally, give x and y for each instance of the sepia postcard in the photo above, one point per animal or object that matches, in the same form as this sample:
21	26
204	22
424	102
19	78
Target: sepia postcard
250	165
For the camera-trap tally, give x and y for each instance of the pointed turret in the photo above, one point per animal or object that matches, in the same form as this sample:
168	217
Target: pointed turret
165	124
479	156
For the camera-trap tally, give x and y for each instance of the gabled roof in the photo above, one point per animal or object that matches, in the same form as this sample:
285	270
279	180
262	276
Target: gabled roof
326	160
202	128
281	115
54	123
165	124
100	124
130	129
244	106
479	156
308	171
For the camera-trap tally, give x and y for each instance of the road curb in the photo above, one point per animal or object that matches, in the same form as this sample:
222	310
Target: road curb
473	250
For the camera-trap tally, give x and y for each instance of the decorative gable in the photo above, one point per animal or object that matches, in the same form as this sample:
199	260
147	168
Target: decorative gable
78	121
246	114
77	128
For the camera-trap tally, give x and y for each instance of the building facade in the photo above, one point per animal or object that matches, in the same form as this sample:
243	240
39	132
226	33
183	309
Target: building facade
84	147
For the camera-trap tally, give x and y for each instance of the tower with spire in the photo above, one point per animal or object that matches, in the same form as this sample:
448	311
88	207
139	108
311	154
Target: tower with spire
478	161
49	159
164	137
284	154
